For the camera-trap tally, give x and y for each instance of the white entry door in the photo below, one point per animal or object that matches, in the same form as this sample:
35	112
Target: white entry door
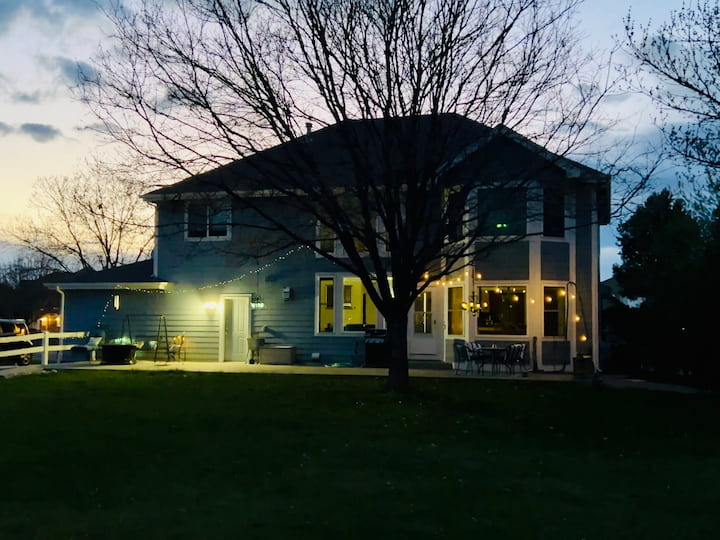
425	328
234	328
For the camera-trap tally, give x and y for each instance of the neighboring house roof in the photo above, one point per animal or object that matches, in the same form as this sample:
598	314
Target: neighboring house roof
328	150
137	275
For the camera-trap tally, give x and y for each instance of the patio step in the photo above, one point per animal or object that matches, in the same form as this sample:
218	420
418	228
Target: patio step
429	364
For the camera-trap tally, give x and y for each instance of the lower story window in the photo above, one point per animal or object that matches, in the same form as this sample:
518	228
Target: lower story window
423	313
555	311
344	305
502	310
455	311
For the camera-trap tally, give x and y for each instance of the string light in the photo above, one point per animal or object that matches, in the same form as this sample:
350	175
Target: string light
223	283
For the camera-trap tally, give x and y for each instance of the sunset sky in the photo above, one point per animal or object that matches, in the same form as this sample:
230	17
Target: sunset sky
45	132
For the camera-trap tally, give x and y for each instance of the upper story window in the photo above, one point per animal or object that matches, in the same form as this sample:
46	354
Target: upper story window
553	213
208	220
326	240
455	215
502	212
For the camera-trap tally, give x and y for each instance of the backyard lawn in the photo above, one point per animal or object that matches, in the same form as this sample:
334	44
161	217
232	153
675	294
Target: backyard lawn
133	455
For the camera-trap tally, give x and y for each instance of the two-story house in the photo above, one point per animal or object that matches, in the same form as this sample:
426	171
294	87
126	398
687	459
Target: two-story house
213	280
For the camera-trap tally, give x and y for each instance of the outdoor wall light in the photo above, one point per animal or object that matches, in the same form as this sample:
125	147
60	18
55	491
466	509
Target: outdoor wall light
287	293
210	305
256	302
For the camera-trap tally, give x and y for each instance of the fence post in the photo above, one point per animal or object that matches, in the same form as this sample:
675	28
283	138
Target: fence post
46	348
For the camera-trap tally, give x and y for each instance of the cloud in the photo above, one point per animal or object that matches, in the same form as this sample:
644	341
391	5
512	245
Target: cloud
41	133
5	129
32	98
72	72
54	12
99	127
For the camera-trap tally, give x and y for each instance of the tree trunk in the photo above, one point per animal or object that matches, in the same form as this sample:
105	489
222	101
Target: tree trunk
398	376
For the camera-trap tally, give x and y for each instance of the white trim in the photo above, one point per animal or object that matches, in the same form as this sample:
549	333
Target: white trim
207	238
111	285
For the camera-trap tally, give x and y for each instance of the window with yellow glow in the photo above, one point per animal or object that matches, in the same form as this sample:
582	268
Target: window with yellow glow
502	310
344	305
455	311
555	311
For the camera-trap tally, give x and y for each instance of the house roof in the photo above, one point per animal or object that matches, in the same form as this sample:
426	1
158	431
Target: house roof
327	150
137	275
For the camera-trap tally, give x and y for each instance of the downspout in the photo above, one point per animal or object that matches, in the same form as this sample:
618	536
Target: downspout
62	319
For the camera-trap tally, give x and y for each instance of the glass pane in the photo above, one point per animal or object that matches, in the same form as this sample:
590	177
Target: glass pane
502	212
326	239
555	316
455	311
502	310
553	213
326	310
359	313
423	313
218	221
196	220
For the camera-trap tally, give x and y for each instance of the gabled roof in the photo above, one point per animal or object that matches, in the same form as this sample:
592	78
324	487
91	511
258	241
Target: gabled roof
137	275
326	152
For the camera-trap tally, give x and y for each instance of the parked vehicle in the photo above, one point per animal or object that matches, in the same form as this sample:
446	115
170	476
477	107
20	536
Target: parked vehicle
15	327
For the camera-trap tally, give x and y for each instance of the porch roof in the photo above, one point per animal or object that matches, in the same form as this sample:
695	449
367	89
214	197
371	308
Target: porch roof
137	275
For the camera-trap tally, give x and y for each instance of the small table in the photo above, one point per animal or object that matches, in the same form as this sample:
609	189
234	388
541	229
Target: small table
497	356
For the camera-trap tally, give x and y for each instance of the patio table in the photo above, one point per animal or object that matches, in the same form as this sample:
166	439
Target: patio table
497	356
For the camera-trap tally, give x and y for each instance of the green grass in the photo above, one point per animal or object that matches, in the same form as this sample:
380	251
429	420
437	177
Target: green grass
105	455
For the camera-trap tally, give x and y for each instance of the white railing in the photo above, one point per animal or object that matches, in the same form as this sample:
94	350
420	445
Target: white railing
44	348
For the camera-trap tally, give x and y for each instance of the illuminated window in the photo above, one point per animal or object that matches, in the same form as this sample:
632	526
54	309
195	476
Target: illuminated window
326	305
205	220
555	311
455	311
344	306
502	310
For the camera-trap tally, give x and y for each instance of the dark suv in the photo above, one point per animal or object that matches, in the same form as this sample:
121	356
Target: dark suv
15	327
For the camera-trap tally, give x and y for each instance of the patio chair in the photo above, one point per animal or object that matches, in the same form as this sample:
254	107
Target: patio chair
87	351
177	348
477	356
515	356
462	361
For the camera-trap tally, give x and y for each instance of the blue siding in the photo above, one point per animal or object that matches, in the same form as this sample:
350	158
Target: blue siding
555	263
510	261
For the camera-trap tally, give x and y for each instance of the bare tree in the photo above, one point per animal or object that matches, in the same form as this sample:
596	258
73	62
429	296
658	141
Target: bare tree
679	64
201	83
25	267
92	220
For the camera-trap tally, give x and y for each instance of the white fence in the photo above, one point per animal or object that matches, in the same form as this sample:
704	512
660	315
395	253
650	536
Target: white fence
43	348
